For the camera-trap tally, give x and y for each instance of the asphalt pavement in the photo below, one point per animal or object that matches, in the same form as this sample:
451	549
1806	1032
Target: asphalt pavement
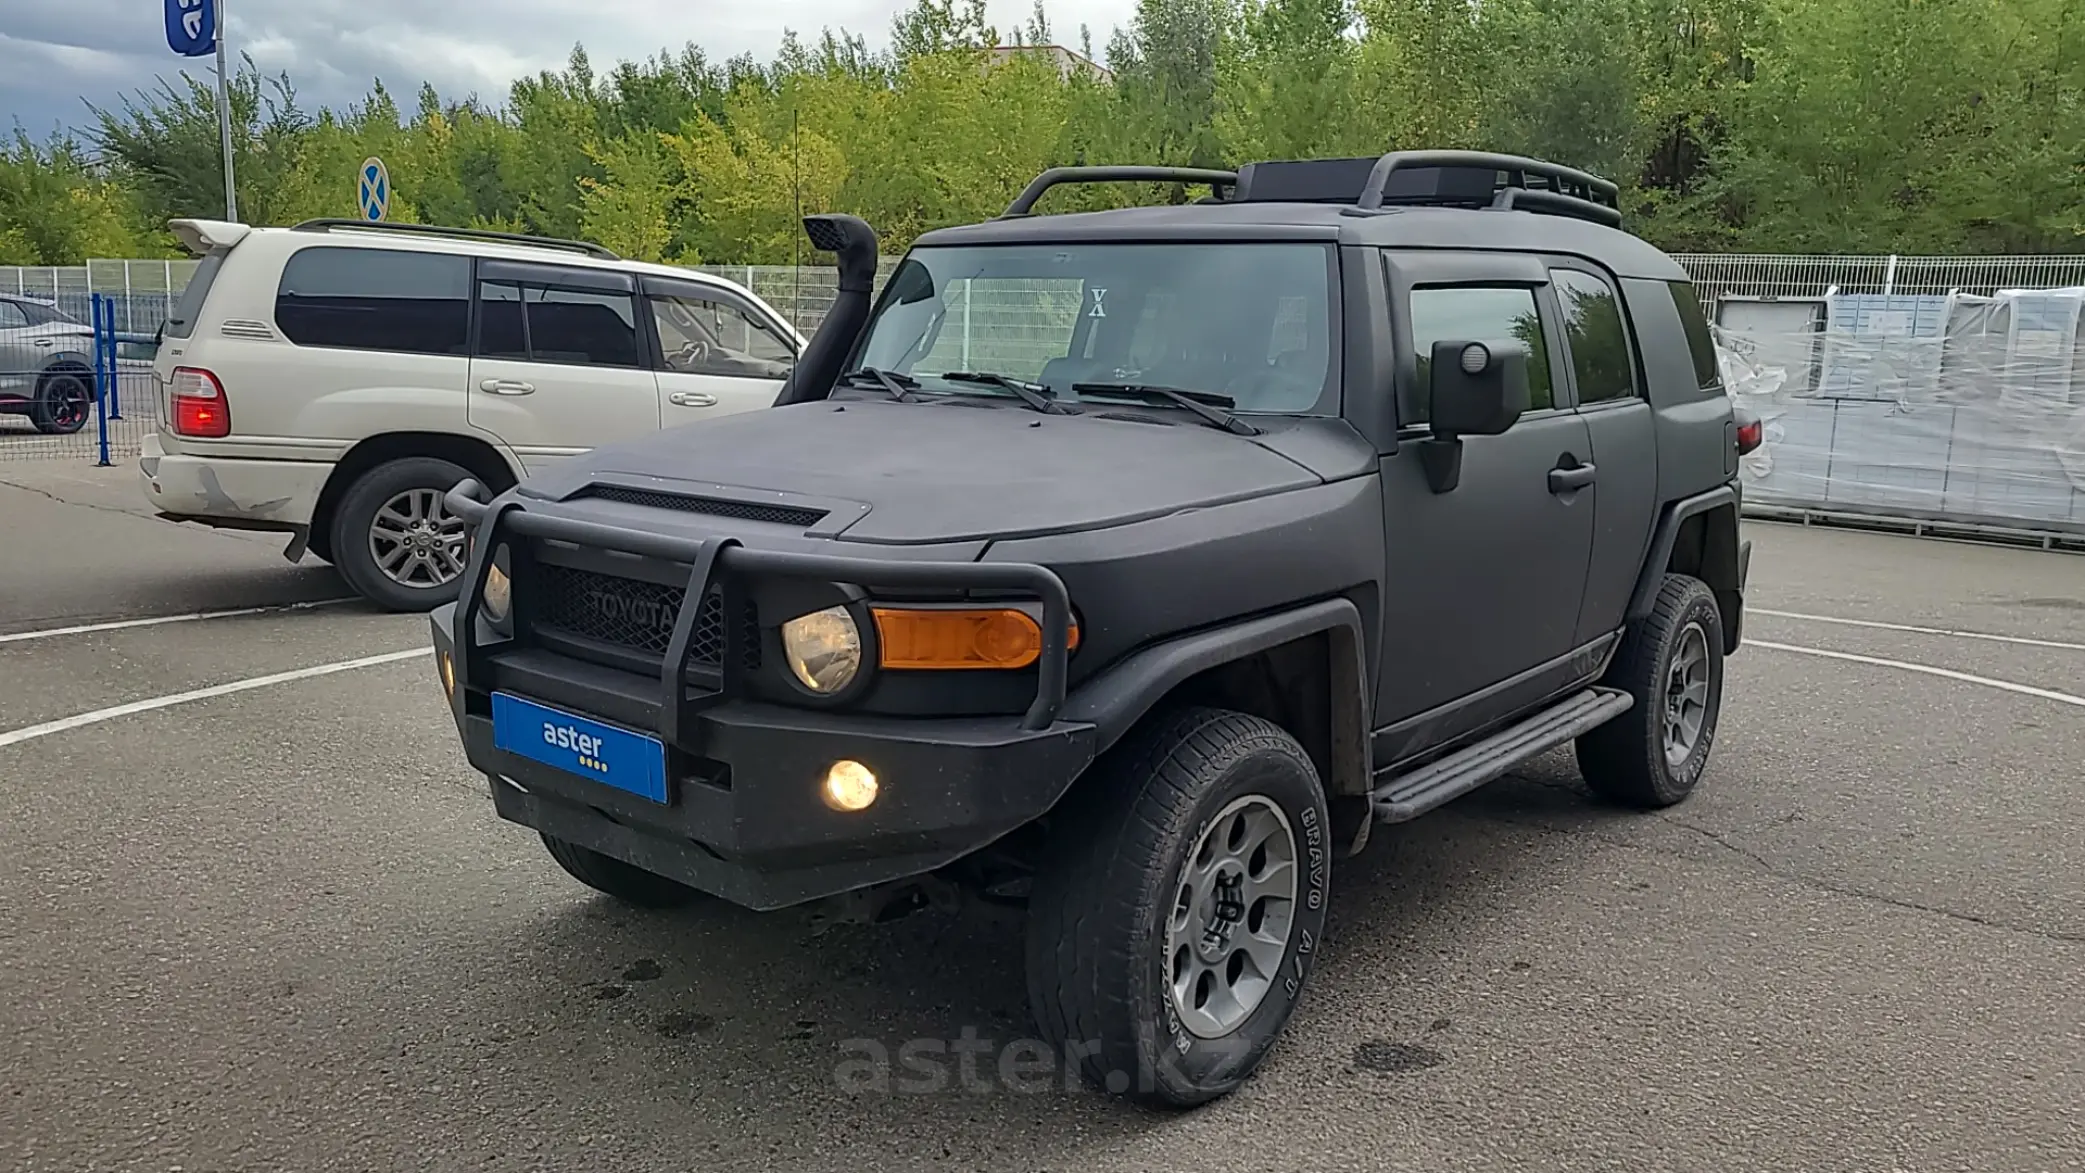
278	927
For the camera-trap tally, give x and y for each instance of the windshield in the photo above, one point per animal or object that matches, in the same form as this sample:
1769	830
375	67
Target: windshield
1249	321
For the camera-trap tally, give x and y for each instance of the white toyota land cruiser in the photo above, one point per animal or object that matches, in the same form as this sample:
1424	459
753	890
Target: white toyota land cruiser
333	380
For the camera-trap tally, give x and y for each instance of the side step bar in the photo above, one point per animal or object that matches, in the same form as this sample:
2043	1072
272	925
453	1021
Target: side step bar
1436	783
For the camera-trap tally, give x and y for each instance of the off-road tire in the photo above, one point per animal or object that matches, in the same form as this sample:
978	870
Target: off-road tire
627	883
1098	980
348	535
57	409
1624	761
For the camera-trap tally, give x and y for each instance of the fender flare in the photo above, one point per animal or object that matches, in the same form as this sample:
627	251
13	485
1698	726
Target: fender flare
1723	559
1118	698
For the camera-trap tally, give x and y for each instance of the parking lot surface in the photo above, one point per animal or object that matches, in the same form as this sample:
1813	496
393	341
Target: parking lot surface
277	926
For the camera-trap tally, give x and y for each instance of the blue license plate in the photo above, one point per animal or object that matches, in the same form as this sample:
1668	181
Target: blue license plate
615	757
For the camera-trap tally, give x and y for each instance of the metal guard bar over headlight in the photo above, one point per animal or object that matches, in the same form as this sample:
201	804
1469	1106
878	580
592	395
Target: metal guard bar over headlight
717	555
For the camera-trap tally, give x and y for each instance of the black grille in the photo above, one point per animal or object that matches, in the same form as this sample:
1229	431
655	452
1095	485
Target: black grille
715	507
630	613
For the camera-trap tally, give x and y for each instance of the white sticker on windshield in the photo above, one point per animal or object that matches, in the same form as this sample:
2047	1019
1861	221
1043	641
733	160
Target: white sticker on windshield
1099	310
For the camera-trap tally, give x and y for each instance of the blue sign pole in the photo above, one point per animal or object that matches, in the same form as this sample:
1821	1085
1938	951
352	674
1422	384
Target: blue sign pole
195	28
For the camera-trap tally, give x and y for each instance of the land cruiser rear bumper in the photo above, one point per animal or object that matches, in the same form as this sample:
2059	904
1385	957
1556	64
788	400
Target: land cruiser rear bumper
734	805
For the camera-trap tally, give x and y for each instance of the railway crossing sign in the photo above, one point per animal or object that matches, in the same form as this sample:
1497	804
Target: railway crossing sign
373	189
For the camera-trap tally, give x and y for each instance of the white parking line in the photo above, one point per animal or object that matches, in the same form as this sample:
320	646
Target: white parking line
1914	630
62	724
157	620
2048	694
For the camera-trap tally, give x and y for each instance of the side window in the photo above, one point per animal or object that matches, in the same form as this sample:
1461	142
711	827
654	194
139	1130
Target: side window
1707	371
501	332
1469	312
1599	343
702	336
587	328
11	316
375	299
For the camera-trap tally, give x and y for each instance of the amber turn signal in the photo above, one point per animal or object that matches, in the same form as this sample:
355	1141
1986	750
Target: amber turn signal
995	637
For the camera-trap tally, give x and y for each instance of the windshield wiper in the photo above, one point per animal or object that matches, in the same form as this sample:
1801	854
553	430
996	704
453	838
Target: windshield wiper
1030	393
1209	406
899	386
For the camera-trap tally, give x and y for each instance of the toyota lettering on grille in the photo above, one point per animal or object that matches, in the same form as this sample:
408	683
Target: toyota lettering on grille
645	613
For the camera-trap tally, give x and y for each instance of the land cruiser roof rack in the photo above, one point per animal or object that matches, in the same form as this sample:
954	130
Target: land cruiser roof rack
579	246
1024	204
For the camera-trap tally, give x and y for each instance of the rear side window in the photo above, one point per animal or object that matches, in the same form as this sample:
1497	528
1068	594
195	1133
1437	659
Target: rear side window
583	327
1706	371
181	322
47	315
1593	330
11	316
548	324
376	299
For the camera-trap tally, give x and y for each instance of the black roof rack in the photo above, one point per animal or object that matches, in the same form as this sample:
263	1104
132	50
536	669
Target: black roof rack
1024	203
1567	191
1453	179
579	246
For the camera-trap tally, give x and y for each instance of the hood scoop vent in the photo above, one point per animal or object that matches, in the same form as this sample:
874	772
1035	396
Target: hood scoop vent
790	515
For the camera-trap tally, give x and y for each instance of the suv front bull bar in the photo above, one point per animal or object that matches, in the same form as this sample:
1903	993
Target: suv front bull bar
715	558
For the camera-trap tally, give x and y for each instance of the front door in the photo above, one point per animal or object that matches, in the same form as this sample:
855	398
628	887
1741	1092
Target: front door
1485	580
718	353
560	366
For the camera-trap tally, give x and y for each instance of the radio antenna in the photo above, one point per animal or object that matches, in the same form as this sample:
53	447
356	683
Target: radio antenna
796	264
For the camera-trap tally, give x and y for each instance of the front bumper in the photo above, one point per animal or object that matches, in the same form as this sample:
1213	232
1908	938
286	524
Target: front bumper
743	818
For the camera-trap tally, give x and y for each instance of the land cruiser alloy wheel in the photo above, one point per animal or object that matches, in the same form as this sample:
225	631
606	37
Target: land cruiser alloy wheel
1180	907
395	541
625	882
1672	663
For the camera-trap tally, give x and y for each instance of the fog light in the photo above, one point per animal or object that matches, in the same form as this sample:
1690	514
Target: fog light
849	786
499	592
448	674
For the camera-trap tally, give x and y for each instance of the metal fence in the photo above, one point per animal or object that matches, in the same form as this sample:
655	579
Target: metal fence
76	389
1737	288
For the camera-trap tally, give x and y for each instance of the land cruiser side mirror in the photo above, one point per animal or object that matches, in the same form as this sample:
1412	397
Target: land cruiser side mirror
1473	388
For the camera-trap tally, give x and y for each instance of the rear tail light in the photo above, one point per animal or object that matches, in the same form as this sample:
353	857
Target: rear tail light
199	407
1750	433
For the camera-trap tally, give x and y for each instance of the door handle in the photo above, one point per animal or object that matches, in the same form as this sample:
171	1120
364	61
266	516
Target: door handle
1570	479
45	342
692	399
507	387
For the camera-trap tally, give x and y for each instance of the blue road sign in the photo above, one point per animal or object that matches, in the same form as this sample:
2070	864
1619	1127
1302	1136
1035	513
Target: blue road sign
192	27
373	189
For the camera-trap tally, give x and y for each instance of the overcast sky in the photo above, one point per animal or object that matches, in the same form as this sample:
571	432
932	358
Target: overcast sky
59	54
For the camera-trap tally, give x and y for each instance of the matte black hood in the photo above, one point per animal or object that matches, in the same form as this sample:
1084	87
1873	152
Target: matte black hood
950	471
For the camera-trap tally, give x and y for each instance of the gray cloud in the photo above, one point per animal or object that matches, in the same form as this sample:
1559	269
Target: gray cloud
60	56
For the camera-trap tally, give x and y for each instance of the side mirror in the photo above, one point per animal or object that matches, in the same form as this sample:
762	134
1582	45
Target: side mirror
1476	388
1473	388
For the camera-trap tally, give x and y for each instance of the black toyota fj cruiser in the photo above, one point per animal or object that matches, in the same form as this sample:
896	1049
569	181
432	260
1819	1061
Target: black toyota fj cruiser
1130	564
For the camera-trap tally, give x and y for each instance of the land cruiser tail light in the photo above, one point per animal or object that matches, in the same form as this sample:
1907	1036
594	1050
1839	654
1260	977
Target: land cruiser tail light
994	637
199	407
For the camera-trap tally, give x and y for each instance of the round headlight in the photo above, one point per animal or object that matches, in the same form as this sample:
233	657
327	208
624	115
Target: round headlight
499	591
824	649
